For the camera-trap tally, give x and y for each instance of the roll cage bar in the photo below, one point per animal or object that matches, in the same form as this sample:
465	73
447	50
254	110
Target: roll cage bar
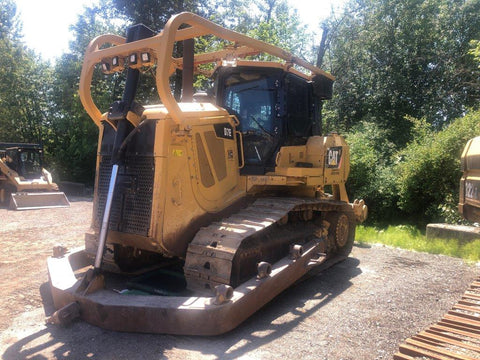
160	47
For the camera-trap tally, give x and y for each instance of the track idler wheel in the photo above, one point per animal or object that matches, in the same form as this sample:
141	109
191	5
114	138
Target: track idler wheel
341	232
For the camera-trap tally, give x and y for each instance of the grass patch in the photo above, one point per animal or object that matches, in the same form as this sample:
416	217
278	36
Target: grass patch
410	238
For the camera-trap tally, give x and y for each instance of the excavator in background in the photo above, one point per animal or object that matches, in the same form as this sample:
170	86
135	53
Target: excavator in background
205	209
24	183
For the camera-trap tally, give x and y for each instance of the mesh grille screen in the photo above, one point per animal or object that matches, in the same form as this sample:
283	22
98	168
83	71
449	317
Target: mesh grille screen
132	200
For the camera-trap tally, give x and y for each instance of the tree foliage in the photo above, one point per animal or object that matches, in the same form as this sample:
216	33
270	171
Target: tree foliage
272	21
475	50
154	13
25	83
370	177
429	173
416	184
394	58
72	134
10	27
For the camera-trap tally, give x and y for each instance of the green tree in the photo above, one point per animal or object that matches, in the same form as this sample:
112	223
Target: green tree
371	176
24	86
10	26
272	21
394	58
72	134
154	13
475	50
280	25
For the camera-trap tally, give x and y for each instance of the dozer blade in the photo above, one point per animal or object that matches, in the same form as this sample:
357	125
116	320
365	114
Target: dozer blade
188	314
38	200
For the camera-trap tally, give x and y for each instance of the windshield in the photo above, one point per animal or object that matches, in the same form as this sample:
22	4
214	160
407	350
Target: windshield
26	162
253	103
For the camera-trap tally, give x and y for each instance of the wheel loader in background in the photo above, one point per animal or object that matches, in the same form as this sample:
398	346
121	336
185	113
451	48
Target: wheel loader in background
24	183
204	209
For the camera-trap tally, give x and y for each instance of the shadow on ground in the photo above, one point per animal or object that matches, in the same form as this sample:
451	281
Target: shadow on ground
276	319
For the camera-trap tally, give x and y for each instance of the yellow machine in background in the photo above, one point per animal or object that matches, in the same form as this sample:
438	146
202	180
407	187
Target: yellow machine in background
220	189
24	183
469	204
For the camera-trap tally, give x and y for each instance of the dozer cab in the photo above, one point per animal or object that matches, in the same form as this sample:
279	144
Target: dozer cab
24	183
204	209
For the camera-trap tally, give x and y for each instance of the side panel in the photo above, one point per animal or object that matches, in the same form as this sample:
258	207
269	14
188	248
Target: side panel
201	180
337	163
322	161
181	207
196	177
214	165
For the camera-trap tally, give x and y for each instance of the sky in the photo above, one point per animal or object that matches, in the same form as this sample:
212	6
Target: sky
49	34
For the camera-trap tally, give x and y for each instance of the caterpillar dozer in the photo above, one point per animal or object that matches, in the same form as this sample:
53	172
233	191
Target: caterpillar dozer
204	209
24	183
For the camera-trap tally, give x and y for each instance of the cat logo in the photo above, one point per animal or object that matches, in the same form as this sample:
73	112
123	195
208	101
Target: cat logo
334	157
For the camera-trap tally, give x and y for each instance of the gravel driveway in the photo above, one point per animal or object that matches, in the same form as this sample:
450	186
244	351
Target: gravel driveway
362	308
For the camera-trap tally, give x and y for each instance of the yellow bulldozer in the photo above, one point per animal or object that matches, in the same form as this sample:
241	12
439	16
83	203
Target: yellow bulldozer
24	183
206	208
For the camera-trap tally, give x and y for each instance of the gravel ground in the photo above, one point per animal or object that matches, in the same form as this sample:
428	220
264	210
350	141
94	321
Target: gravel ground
362	308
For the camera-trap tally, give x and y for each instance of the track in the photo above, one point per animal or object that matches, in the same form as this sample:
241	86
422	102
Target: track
228	252
455	336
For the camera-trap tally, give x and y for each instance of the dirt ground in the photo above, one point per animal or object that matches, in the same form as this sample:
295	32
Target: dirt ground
362	308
